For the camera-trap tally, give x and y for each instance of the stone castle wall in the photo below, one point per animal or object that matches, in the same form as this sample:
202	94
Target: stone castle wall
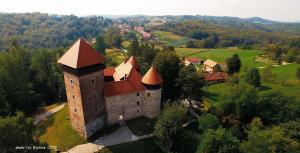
92	88
152	103
130	106
86	102
74	102
127	106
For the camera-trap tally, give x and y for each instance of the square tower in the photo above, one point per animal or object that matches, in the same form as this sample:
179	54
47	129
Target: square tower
84	81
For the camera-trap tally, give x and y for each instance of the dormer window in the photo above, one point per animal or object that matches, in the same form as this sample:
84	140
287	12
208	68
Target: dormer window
137	94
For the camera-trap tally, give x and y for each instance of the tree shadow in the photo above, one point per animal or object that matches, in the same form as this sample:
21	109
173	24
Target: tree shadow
264	88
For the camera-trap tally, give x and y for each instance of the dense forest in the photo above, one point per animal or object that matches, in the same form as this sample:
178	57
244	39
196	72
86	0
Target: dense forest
211	35
37	30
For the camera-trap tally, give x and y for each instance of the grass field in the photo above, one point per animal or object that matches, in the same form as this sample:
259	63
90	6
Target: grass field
57	131
220	55
171	38
116	54
141	126
284	72
125	44
141	146
287	72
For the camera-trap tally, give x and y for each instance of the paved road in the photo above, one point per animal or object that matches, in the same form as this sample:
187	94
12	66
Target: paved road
39	118
122	135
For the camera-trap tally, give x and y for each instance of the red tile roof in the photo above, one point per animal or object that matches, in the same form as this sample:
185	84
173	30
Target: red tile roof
193	59
109	71
132	60
215	76
131	84
152	77
81	55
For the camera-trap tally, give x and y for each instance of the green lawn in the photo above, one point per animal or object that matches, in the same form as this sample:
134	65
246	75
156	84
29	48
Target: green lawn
141	146
171	38
220	55
57	131
141	126
287	72
116	54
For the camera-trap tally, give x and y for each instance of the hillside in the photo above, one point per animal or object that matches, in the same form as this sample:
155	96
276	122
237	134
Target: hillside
37	30
215	32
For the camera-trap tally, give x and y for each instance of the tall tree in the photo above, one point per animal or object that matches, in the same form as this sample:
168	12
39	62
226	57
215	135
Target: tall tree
100	45
253	77
190	83
113	38
264	140
17	131
169	123
219	140
168	65
208	121
134	48
233	64
298	74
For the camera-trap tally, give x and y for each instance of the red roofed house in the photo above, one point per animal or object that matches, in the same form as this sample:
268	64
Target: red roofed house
192	60
100	96
215	77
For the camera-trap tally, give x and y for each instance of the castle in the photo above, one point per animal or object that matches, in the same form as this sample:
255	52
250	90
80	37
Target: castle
99	96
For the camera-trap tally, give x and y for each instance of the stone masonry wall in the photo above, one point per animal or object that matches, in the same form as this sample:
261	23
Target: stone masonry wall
152	103
92	94
129	106
74	102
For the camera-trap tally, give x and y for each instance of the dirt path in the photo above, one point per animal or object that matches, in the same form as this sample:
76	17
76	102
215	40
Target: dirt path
40	117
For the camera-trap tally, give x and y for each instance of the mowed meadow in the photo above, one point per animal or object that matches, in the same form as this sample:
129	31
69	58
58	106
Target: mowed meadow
286	81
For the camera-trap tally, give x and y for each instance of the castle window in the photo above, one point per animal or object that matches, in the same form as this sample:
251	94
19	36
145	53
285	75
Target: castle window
137	103
93	81
95	109
72	82
94	96
137	94
73	96
75	110
148	94
137	111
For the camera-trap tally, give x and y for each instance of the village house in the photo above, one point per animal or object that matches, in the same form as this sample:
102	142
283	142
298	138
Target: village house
211	66
192	60
215	77
98	96
145	35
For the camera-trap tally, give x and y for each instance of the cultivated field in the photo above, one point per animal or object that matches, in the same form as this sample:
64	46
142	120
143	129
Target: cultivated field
169	38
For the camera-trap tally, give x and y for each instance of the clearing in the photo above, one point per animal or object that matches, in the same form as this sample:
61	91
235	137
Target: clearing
169	38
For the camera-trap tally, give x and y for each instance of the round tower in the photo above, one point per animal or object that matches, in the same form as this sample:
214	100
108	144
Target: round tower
152	82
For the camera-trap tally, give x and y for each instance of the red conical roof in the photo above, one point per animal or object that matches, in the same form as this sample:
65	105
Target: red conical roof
132	60
80	55
152	77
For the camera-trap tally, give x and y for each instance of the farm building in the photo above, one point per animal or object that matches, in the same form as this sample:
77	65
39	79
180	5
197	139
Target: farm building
215	77
211	66
192	60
